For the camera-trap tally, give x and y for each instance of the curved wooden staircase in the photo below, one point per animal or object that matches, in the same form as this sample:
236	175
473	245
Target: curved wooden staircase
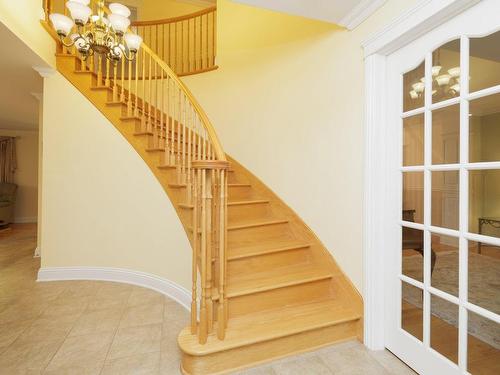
269	288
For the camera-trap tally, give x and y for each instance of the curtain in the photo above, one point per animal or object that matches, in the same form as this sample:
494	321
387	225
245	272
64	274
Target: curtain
8	162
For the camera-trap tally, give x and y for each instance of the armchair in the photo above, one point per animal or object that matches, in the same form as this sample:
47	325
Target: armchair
7	201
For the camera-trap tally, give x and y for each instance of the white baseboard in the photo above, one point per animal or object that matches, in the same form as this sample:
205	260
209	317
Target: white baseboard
25	220
120	275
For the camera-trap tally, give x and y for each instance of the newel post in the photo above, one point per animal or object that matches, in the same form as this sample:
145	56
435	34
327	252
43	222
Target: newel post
209	246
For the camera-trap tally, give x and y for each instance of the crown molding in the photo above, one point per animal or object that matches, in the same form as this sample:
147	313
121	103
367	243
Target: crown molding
412	24
360	13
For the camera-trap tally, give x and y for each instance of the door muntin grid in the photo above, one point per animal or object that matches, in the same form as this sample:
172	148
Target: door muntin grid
453	167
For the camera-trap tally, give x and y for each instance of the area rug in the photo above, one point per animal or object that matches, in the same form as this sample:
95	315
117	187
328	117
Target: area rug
484	291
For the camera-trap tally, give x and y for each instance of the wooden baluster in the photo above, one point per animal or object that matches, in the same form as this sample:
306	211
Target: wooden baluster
173	91
115	85
107	81
175	54
178	148
196	220
161	109
167	125
99	70
214	36
205	150
224	247
209	242
189	159
143	111
150	94
157	48
201	42
169	54
207	46
198	138
203	331
194	46
136	92
129	96
221	252
157	120
189	46
184	136
122	93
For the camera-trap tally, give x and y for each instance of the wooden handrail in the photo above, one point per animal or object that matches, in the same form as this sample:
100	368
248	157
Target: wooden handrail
175	19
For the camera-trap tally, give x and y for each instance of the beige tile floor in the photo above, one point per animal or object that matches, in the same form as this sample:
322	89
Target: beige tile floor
92	327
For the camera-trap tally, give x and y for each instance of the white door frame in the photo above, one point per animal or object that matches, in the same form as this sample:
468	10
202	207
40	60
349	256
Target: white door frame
424	17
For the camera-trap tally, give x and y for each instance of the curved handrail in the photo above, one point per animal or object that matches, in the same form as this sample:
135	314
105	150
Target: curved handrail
176	19
219	152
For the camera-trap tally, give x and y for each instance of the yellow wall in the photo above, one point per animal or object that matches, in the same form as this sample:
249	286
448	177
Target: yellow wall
287	102
102	206
154	9
26	176
22	17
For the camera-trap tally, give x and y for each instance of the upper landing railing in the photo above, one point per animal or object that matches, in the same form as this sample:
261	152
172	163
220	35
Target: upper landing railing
187	44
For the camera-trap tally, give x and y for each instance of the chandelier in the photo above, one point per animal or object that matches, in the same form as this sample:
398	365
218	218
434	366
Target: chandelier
96	34
447	84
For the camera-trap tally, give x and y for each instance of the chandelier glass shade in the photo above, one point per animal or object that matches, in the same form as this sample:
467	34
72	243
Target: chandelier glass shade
448	83
97	34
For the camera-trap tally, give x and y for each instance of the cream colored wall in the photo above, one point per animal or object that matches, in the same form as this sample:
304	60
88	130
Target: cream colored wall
102	206
287	102
22	17
26	176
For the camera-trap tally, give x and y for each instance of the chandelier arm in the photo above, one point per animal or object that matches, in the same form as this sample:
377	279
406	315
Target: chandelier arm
130	56
61	38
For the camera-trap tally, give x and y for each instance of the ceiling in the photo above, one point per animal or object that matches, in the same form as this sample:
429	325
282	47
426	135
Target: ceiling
18	107
348	13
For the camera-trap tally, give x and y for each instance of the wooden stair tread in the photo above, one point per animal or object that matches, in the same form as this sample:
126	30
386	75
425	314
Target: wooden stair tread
256	223
229	185
251	224
233	203
175	166
262	249
255	282
271	324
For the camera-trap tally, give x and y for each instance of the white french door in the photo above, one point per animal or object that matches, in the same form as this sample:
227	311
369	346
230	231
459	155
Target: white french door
443	280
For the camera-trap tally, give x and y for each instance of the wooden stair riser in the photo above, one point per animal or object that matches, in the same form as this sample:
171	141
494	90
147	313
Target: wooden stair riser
251	236
239	358
245	212
267	262
276	298
155	141
240	193
251	211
